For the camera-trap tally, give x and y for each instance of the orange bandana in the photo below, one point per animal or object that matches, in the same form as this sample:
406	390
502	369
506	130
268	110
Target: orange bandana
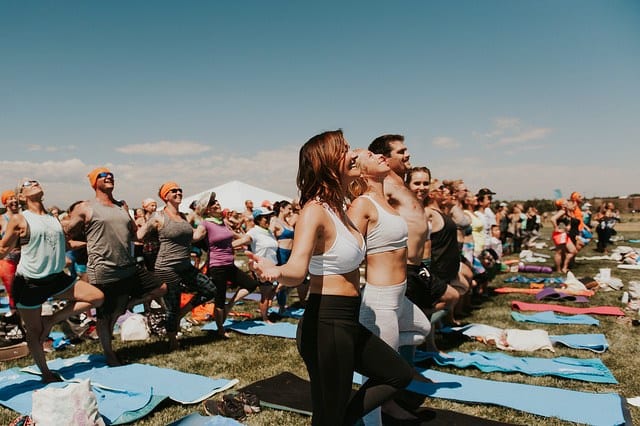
93	176
165	188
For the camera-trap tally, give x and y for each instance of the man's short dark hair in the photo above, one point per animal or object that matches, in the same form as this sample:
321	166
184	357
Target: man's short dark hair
382	144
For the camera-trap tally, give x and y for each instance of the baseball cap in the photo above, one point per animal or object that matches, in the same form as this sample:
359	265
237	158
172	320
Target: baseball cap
261	211
485	191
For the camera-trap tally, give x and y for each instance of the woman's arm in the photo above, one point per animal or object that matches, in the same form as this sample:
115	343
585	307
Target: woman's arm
154	222
15	227
309	233
242	240
360	214
199	233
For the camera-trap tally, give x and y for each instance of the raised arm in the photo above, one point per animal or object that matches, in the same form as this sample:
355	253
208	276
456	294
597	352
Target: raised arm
309	234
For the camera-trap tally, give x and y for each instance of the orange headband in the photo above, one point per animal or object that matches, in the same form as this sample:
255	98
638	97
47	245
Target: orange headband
6	195
575	196
560	202
93	175
165	188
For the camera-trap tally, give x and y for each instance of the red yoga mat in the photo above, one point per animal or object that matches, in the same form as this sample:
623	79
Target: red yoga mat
541	307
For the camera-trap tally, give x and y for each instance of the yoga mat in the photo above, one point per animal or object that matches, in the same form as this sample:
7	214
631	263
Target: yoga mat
288	392
540	307
278	329
588	370
284	391
564	295
251	296
549	292
288	313
4	304
197	419
593	342
124	393
581	407
525	280
548	317
625	266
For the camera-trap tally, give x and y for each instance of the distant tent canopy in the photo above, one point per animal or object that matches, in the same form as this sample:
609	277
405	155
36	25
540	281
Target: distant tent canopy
232	196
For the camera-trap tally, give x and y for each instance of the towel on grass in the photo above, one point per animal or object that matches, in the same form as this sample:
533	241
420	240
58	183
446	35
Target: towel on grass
588	370
124	393
548	317
288	313
539	307
580	407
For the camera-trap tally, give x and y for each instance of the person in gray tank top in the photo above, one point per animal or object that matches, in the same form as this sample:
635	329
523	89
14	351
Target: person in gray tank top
111	266
173	265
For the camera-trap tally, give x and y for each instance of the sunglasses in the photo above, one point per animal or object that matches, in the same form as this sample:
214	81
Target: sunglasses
30	183
175	190
104	175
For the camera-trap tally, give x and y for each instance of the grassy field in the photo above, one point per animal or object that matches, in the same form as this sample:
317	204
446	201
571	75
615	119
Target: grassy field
251	358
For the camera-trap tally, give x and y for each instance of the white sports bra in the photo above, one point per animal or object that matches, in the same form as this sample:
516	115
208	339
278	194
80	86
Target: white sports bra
345	255
390	233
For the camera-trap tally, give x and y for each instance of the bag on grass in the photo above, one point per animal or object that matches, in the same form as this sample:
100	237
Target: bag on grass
134	328
74	404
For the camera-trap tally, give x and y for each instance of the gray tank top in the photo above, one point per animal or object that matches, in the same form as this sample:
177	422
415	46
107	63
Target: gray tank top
109	238
175	239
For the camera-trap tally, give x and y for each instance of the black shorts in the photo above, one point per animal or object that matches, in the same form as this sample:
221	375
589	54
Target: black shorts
423	289
31	293
221	275
117	294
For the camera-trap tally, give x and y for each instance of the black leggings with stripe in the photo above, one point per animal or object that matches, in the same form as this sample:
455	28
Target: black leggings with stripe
333	345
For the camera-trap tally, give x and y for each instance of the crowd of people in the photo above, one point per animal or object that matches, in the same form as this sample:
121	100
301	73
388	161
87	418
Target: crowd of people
427	245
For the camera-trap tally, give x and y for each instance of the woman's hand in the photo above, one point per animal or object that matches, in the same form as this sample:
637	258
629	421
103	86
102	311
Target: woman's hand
266	270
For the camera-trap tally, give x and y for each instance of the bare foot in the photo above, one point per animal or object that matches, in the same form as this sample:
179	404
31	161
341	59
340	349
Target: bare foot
114	361
51	378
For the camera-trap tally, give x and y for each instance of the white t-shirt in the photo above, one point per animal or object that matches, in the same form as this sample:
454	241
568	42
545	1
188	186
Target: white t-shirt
263	243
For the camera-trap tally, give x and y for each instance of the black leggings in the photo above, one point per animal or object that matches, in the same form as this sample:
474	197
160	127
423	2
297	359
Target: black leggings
333	345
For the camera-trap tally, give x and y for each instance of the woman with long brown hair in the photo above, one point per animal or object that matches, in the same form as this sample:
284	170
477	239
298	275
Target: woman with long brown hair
328	245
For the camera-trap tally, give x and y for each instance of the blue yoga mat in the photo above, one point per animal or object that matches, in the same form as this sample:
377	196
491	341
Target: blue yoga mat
4	305
582	407
548	317
593	342
196	419
588	370
289	313
278	329
124	393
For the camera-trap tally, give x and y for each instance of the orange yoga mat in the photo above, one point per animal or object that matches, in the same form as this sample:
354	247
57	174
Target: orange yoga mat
541	307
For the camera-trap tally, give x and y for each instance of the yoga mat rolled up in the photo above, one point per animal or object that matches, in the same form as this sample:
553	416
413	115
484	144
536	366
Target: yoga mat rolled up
535	268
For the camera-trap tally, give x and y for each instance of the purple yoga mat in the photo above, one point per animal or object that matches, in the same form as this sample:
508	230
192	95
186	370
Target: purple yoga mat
551	293
535	268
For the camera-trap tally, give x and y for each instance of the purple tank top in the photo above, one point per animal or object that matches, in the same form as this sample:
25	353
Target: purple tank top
219	238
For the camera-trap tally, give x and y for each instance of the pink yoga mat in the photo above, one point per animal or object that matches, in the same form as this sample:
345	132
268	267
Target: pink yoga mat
541	307
504	290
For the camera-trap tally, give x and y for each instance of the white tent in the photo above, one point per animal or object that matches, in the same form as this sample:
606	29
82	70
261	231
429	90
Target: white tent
232	196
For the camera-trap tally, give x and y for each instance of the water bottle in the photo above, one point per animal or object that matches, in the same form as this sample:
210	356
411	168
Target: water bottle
625	298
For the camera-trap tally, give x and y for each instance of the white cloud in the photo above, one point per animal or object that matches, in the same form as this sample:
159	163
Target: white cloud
165	148
512	131
445	142
66	181
36	148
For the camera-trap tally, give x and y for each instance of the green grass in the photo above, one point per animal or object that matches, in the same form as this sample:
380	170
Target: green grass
251	358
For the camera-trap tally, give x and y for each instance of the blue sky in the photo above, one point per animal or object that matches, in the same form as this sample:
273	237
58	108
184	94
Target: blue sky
522	97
